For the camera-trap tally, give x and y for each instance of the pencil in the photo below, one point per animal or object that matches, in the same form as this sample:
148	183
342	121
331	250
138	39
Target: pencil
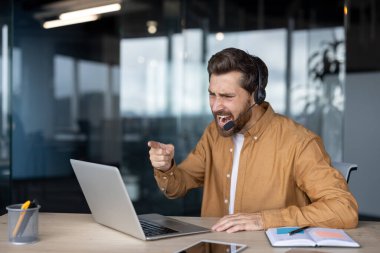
20	219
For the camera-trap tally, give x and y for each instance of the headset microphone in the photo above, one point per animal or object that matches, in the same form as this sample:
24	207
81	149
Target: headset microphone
231	124
259	96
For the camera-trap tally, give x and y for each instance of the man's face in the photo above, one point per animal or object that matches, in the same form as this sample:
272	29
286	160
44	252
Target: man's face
229	101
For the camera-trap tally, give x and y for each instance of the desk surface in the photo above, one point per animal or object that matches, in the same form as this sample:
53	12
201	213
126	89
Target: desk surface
61	232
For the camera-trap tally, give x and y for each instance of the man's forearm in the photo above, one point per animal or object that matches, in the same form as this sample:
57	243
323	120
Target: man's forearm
335	213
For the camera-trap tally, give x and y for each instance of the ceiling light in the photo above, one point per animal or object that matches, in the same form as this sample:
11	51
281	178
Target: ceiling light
151	26
90	11
345	10
60	22
219	36
152	29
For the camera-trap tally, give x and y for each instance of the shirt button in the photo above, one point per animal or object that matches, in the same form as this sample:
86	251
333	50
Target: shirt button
171	173
165	178
255	138
162	189
231	150
226	201
228	175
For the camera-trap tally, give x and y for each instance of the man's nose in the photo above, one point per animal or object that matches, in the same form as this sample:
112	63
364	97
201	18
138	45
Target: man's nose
216	105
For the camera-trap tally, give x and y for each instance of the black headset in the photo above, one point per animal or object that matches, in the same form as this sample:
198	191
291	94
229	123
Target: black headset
259	94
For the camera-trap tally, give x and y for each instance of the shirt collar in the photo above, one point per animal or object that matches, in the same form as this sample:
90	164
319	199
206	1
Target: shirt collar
259	127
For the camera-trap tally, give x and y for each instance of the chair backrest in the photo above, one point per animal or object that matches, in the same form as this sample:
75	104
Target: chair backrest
345	168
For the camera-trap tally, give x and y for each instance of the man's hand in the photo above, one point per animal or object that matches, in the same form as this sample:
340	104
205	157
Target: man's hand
239	222
161	155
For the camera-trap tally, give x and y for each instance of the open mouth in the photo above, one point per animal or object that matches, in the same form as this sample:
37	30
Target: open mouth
223	119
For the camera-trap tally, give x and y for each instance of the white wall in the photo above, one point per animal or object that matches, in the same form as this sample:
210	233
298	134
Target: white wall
362	139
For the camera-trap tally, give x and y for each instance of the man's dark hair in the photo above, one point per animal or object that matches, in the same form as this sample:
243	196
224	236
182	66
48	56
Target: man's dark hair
233	59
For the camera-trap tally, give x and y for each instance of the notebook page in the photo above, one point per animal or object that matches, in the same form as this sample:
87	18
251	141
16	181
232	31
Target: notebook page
332	237
280	237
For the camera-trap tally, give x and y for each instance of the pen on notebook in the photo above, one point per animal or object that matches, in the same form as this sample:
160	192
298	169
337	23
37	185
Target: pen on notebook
21	218
298	230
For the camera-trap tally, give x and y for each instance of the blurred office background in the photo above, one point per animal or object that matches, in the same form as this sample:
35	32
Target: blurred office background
100	89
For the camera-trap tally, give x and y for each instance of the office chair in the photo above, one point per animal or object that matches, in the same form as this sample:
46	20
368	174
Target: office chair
345	168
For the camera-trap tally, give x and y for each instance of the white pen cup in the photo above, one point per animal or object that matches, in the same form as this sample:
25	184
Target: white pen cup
22	224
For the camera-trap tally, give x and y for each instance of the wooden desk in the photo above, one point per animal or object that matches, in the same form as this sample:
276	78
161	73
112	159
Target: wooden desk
61	232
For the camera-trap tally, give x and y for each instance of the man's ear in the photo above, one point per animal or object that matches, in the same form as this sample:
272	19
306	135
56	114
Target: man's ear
252	100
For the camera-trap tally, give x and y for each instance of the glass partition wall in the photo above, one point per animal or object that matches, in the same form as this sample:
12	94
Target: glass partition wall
5	116
100	90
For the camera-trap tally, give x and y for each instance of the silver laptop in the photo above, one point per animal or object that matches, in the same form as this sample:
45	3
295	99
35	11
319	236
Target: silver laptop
111	206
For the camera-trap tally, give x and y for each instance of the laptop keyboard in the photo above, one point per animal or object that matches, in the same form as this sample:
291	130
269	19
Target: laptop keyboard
151	229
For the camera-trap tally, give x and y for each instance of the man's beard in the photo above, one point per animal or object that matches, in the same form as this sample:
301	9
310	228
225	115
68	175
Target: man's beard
241	120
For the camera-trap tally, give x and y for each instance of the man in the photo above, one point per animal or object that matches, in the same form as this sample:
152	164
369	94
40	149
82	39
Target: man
258	169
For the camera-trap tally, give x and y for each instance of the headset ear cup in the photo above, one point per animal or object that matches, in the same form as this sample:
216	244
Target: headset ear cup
259	95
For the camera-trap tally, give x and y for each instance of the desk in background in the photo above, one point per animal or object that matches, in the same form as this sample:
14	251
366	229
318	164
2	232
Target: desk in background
60	232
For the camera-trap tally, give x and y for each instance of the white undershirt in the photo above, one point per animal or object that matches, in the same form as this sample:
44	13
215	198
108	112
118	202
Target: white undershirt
238	142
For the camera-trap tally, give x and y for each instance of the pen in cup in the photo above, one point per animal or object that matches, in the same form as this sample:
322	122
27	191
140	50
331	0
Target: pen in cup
27	216
21	218
298	230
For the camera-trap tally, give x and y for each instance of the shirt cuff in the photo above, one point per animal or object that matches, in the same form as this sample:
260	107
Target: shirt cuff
272	218
163	177
169	172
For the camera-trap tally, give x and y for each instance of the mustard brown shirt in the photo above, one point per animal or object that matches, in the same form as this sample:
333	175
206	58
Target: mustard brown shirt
284	174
